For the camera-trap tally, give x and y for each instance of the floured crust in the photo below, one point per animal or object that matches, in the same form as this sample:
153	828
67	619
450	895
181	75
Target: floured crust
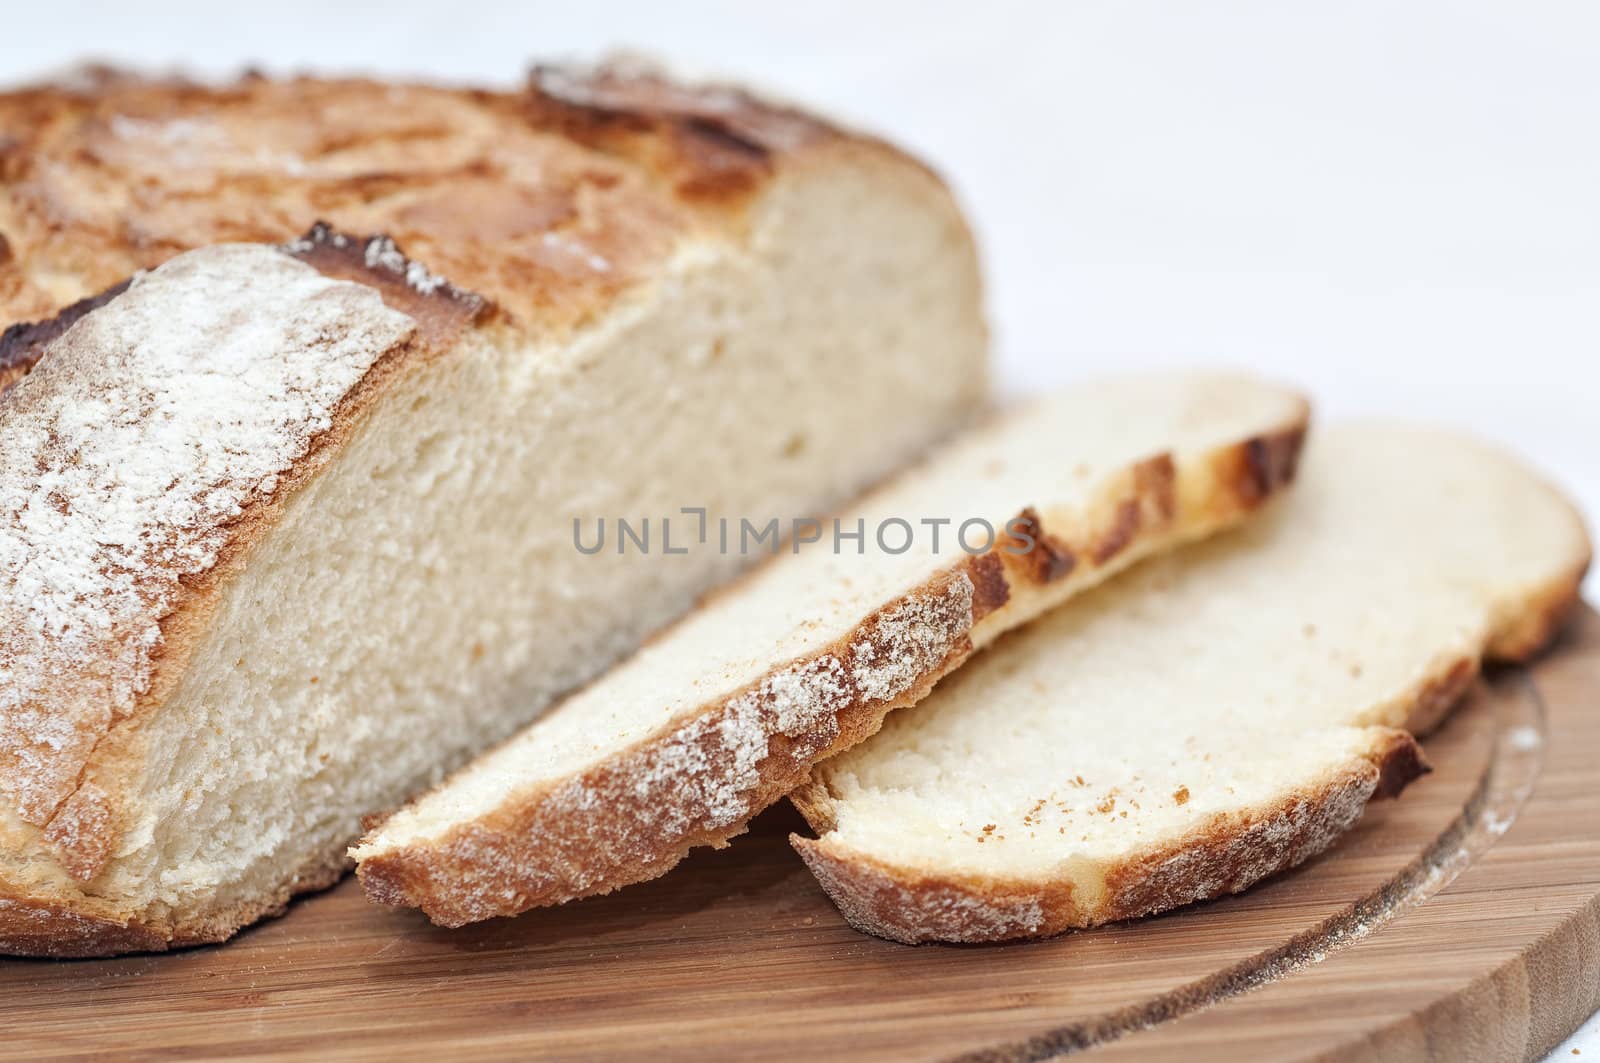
1228	854
77	801
699	780
37	926
74	794
84	927
107	567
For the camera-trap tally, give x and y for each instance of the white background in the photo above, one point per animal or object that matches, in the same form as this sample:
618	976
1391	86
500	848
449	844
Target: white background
1395	205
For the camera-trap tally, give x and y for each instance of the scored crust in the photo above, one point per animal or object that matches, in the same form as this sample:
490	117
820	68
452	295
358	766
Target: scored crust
1224	855
711	142
550	200
516	195
701	778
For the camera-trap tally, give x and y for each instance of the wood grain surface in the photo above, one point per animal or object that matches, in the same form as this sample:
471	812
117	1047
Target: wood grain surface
1459	922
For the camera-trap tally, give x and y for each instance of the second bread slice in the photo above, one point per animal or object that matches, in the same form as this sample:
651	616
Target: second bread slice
1209	719
726	711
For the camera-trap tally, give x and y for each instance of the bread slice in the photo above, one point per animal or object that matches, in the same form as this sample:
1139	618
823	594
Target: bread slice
726	712
289	523
1209	719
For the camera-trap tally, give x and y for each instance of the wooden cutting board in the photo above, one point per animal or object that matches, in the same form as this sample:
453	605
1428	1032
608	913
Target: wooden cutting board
1459	922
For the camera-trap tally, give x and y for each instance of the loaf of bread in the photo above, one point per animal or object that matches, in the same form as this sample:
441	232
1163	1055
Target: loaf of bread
1214	716
726	711
289	515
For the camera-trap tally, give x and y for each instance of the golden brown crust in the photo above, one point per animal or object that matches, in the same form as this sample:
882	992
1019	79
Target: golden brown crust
550	201
1525	632
711	143
1528	630
990	590
1152	502
1399	760
1439	694
33	926
1270	462
1232	852
612	826
1225	854
1041	557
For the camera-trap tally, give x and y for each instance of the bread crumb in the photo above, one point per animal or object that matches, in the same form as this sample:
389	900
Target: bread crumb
1181	795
